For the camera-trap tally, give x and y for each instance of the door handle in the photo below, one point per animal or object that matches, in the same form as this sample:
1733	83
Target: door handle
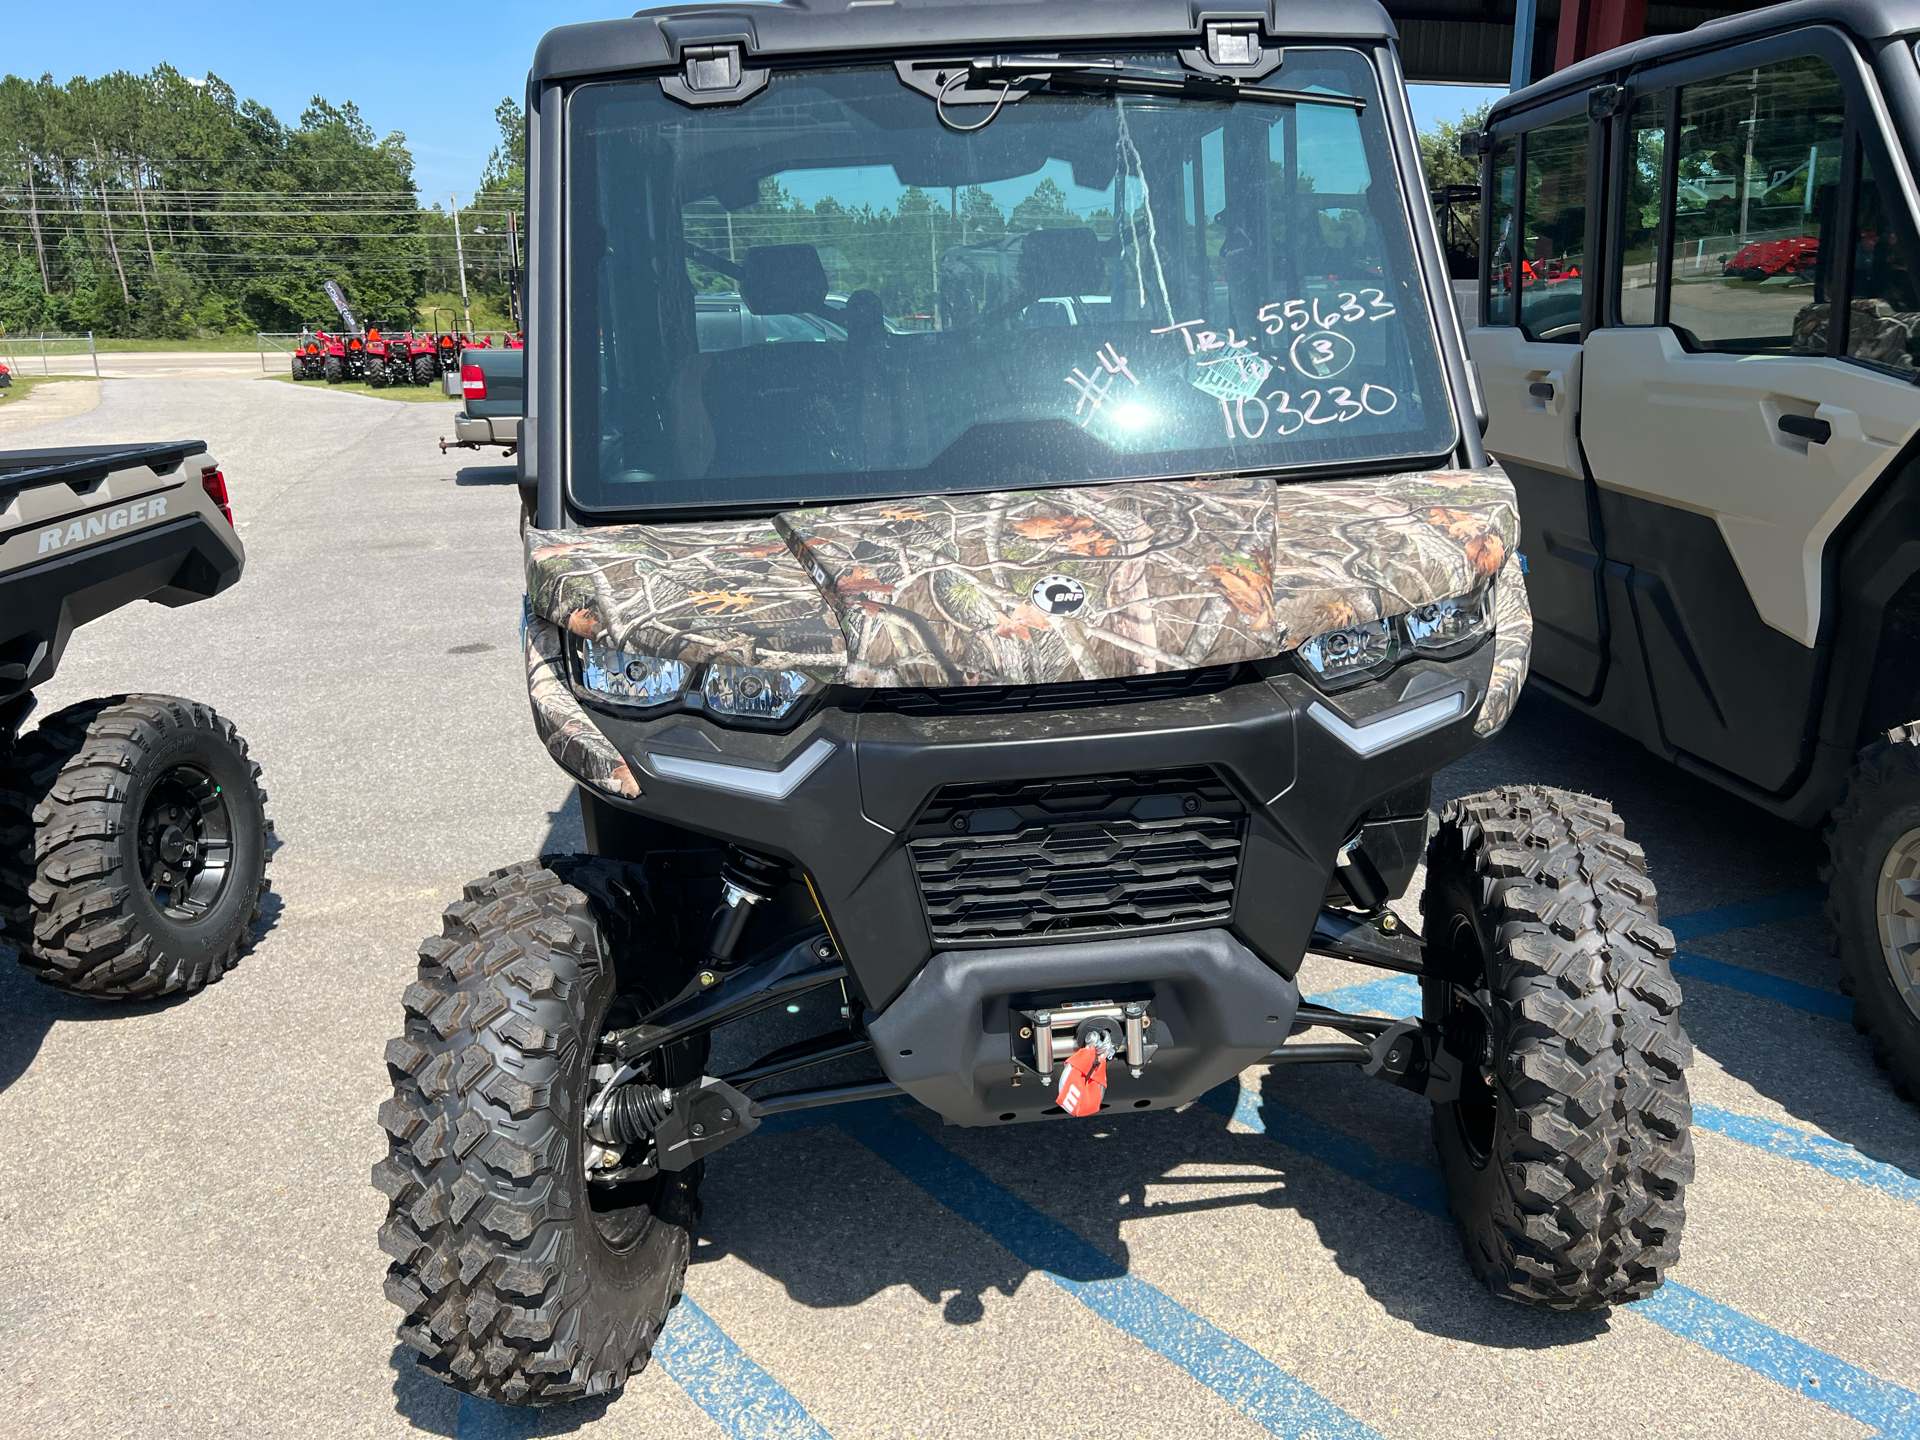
1541	389
1814	432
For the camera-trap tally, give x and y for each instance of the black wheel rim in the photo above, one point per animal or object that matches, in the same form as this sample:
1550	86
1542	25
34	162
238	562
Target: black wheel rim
185	840
1468	1036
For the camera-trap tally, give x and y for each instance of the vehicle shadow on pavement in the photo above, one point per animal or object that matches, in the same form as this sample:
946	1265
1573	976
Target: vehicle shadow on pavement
487	475
29	1010
835	1225
420	1399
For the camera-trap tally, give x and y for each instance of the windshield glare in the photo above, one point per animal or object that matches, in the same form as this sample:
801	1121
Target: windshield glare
825	293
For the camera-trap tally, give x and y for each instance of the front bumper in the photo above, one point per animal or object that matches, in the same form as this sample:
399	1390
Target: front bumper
840	794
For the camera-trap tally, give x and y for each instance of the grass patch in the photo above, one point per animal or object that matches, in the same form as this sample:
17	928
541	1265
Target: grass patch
415	394
23	386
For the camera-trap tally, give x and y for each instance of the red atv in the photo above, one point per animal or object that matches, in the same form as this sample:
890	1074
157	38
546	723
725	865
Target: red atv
1763	259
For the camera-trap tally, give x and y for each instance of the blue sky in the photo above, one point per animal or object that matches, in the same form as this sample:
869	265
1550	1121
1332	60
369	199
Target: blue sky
432	70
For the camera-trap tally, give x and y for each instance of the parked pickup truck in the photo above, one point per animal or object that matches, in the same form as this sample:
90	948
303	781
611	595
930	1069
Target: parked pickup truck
493	383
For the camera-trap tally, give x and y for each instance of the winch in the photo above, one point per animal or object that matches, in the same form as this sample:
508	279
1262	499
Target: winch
1048	1034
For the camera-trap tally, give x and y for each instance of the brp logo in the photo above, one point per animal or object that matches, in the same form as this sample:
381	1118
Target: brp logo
1058	594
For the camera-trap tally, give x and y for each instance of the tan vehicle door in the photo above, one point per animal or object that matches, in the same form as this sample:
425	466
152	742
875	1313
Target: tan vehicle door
1730	425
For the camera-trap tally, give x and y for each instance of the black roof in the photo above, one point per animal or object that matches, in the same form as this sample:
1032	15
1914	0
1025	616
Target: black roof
1867	19
653	38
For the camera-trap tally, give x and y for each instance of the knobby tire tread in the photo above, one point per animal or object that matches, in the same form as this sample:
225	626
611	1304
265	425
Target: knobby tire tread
1584	1192
64	884
487	1224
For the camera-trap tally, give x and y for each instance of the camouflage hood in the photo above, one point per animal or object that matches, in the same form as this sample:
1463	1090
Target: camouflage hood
1031	586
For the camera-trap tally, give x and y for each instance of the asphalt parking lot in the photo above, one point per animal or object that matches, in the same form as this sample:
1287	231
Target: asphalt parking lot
187	1232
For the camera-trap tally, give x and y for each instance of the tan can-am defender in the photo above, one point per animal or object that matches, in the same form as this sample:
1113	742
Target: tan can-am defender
1038	628
1698	342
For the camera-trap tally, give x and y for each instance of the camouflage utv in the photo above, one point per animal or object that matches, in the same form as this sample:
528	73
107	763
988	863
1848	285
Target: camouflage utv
1028	663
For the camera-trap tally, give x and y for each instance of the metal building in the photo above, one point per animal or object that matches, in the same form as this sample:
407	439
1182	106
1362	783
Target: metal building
1472	41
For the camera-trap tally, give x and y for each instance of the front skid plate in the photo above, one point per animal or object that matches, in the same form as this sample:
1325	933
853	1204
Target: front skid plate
947	1039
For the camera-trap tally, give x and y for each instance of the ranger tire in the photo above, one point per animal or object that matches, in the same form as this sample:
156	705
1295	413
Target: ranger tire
425	370
1873	900
150	846
520	1282
1569	1151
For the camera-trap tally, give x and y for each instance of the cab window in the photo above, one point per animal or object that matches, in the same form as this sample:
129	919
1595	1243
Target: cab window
1756	175
1646	158
1553	230
1884	317
1500	236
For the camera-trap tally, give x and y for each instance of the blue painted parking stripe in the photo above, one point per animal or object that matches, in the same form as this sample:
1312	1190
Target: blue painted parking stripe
722	1379
1350	1155
1397	995
1892	1411
1715	1327
1833	1156
1400	995
1234	1371
479	1419
1814	1001
1790	905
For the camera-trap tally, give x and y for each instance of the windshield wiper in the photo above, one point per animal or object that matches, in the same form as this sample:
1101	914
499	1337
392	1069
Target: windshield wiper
1042	72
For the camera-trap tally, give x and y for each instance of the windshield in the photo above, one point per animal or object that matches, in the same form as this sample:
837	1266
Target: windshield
826	293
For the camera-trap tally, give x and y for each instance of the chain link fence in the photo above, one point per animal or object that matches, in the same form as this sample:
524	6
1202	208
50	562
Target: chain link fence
20	351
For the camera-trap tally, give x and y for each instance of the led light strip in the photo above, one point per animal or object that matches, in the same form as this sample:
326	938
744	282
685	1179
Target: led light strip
741	779
1389	730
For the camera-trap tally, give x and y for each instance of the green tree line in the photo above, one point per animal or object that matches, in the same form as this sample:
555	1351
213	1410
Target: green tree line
162	206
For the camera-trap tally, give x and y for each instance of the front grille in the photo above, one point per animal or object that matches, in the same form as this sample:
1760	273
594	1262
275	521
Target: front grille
1065	695
1065	859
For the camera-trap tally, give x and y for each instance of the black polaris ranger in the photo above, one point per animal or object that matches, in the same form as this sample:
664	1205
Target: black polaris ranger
133	835
1039	627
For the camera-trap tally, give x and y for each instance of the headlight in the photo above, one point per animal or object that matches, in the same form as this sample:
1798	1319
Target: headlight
646	682
751	691
1449	624
1445	627
627	679
1346	652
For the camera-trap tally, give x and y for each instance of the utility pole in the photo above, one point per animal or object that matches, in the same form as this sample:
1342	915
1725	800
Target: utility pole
33	215
139	194
106	210
460	254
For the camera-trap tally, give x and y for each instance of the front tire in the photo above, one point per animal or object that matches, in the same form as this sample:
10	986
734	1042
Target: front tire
150	846
522	1282
1569	1151
1873	900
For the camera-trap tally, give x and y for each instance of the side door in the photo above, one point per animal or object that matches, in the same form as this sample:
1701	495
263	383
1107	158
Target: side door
1527	346
1736	407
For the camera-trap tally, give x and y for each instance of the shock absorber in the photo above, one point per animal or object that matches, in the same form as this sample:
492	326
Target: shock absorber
746	880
